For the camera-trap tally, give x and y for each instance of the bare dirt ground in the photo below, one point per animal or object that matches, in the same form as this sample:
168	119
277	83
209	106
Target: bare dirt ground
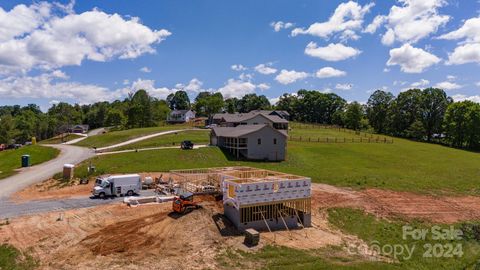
150	236
406	205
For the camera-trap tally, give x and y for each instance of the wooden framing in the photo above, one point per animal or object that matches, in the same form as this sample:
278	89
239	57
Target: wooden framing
274	210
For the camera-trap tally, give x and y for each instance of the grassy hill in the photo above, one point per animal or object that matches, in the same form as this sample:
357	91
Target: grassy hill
58	139
11	159
404	165
114	137
196	136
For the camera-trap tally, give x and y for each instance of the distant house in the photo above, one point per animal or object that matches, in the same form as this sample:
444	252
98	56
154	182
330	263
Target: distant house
81	129
180	116
253	141
270	118
282	114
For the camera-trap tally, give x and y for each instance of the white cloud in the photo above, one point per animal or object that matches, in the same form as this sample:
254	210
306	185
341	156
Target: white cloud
344	86
446	85
149	86
386	70
274	101
328	72
195	86
412	21
245	76
460	97
399	83
145	69
22	19
477	84
451	77
238	67
41	87
237	88
421	83
470	31
290	76
277	26
468	53
265	69
346	19
332	52
468	50
263	86
373	26
48	38
388	38
410	59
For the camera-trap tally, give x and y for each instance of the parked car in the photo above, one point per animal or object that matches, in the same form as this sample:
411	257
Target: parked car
14	146
3	147
187	145
211	126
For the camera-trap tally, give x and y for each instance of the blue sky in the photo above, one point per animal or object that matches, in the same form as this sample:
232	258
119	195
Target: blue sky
82	52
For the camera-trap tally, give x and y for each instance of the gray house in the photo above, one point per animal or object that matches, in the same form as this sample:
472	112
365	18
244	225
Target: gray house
180	116
78	129
260	141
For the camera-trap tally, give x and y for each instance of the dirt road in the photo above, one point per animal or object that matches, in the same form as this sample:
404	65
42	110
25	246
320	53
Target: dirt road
11	209
38	173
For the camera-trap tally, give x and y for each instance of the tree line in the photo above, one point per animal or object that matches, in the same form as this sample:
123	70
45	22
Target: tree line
425	115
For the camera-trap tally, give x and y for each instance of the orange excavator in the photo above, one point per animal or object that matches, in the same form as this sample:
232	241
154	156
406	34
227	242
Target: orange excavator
184	203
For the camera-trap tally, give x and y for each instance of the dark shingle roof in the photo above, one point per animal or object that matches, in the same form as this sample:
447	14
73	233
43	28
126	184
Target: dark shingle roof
241	130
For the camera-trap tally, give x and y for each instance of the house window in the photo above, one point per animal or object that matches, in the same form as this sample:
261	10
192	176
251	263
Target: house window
275	141
259	141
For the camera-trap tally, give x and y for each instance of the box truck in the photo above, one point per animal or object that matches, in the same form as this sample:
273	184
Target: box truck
115	185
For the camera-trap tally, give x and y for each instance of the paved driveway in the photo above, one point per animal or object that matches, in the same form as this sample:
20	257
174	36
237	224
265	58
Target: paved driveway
9	209
28	176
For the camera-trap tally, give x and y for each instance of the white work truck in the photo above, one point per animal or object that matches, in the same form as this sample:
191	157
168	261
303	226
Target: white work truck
114	185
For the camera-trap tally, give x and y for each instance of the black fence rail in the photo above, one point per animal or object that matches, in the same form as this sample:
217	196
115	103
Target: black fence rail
341	139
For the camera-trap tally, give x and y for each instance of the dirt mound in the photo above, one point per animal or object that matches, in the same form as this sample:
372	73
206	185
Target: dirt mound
53	189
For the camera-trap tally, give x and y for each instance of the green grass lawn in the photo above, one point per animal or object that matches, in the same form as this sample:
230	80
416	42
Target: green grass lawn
196	136
283	258
11	159
12	259
404	165
325	133
377	233
58	139
114	137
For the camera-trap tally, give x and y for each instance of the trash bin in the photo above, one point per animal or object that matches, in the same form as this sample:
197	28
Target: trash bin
26	161
68	171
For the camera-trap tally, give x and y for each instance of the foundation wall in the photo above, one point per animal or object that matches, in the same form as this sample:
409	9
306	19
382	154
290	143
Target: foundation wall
233	215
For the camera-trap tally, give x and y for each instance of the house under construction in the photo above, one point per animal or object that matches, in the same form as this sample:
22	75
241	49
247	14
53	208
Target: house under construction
256	198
